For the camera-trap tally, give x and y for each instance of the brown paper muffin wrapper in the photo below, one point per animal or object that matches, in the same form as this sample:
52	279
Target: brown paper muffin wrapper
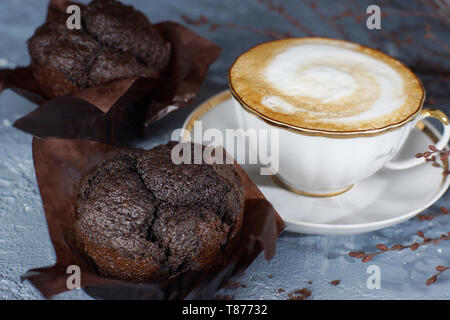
108	112
60	164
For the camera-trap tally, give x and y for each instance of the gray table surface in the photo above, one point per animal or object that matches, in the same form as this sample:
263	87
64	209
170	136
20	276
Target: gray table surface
410	32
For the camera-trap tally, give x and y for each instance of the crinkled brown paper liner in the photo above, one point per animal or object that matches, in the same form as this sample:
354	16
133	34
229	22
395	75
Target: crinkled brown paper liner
108	112
59	165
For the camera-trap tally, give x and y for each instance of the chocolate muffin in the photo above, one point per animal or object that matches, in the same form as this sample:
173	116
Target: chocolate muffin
115	41
142	217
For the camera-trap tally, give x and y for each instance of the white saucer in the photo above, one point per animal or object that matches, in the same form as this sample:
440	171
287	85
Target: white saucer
387	198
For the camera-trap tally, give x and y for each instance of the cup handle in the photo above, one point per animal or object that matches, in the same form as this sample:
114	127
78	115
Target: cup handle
442	143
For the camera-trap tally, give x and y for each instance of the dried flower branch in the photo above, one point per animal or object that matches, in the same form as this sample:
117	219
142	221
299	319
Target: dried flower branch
431	156
213	26
440	270
286	16
365	257
428	217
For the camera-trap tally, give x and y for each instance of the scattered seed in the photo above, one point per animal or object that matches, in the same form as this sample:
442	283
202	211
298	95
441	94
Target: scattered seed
335	282
397	247
431	280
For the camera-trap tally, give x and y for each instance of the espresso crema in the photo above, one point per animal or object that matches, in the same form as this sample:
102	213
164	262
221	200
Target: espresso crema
325	84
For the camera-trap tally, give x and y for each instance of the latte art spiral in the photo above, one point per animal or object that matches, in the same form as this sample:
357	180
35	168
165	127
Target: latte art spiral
325	84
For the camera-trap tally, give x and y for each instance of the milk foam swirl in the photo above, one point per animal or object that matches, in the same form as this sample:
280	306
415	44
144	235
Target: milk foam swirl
325	84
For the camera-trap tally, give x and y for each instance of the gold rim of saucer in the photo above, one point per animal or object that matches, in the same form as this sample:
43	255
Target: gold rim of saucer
204	108
308	194
329	133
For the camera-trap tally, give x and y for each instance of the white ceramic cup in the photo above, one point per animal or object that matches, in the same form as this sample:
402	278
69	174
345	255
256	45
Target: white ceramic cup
316	165
325	164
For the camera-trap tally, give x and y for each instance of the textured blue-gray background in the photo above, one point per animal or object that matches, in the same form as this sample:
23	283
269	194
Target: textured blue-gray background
416	32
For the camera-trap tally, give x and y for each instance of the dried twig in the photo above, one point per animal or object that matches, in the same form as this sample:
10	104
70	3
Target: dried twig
428	217
431	156
365	257
433	278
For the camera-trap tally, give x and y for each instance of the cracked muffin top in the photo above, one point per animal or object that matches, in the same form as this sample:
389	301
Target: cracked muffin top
142	217
115	41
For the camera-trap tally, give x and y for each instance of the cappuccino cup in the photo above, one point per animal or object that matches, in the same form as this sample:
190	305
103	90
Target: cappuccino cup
342	110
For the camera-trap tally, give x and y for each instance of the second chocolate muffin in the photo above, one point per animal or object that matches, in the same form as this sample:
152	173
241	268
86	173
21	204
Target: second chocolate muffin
141	217
114	42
